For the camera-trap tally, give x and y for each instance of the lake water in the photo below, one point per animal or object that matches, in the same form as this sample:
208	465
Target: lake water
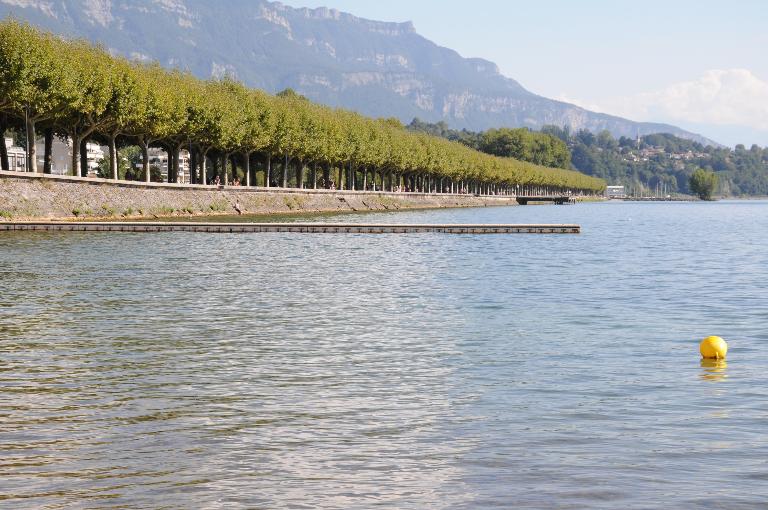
392	371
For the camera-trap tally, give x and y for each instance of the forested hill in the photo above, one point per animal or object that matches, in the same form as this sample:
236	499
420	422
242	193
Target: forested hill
376	68
644	164
665	160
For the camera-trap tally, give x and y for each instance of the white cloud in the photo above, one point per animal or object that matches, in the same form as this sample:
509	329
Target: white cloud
564	97
734	97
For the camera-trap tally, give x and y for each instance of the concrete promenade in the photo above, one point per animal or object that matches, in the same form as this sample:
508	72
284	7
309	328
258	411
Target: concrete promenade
96	181
306	228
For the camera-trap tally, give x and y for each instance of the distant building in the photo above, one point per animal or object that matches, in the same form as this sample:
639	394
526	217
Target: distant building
159	159
615	192
95	157
17	157
61	157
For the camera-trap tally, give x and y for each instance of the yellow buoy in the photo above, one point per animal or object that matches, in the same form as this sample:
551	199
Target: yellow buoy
713	347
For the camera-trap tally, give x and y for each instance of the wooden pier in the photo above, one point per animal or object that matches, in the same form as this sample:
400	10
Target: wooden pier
304	228
557	199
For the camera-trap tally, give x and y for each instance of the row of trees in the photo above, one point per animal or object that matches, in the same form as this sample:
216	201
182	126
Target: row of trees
650	162
74	90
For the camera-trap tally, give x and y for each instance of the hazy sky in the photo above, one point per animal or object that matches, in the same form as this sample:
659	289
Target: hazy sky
701	64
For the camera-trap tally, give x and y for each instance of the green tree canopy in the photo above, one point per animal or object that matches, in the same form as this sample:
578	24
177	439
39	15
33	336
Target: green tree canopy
85	93
703	183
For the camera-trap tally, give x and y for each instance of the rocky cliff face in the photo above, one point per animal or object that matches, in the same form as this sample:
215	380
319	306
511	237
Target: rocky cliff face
378	68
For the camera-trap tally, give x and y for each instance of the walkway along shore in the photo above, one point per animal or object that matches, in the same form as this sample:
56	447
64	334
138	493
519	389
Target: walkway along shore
34	196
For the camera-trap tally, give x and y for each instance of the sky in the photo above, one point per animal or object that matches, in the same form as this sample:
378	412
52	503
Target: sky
700	65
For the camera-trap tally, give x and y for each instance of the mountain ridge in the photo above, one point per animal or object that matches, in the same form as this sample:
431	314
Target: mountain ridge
379	68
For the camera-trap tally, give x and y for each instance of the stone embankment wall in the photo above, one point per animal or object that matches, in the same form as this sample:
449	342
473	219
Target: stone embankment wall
28	196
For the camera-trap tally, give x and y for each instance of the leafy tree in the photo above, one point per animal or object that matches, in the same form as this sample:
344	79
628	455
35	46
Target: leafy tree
703	183
92	73
80	91
35	82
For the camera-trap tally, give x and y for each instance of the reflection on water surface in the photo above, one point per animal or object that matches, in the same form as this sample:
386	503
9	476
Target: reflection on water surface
405	371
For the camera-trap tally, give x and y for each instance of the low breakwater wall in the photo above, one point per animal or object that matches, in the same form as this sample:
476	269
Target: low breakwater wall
25	196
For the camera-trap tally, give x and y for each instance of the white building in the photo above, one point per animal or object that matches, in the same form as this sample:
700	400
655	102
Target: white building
159	158
615	192
61	157
17	157
95	157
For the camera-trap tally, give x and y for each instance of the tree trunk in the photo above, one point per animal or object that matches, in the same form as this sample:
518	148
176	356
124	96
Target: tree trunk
204	167
84	157
47	156
300	175
268	171
168	164
192	165
285	172
314	175
145	160
113	156
176	163
4	164
224	159
32	149
171	158
233	165
247	168
327	176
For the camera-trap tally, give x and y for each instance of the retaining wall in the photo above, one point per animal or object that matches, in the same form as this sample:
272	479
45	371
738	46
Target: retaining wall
37	196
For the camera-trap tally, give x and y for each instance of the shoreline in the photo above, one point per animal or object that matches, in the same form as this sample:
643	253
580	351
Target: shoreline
26	196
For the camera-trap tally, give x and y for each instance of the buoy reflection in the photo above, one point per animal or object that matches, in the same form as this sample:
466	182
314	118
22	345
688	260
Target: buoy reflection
714	369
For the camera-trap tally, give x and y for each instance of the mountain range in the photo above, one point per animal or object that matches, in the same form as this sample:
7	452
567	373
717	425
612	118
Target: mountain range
380	69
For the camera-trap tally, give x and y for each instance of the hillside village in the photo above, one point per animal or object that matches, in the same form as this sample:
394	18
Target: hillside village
666	161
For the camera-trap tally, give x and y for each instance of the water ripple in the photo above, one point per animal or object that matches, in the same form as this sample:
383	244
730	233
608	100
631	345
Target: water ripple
413	371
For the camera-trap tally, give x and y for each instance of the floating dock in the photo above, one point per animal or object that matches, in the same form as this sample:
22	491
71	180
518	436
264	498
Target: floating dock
555	199
303	228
